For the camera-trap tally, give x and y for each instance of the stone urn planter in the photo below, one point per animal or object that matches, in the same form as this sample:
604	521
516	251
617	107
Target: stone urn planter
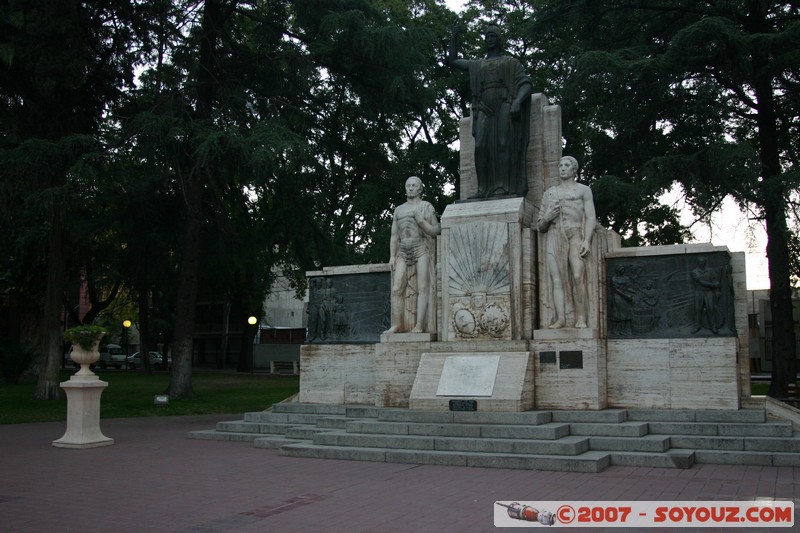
85	346
83	391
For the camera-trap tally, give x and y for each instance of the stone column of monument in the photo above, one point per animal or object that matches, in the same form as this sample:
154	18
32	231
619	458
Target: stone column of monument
571	367
488	248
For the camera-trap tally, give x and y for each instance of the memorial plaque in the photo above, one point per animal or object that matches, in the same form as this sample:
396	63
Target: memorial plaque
463	405
547	358
465	375
571	359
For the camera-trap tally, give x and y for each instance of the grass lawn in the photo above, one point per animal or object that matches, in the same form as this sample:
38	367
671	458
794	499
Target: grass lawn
759	389
130	394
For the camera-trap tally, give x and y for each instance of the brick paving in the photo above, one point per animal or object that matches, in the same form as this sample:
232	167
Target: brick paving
156	479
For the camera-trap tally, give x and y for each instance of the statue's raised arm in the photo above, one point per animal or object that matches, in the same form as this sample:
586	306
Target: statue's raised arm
452	50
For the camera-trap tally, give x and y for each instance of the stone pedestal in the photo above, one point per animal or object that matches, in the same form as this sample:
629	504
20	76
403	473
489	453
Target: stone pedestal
396	361
486	281
337	373
570	369
83	413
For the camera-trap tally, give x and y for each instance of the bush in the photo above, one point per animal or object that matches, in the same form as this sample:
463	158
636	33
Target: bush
85	336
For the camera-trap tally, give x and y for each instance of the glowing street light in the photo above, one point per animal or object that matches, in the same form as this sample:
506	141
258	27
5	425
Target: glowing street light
126	324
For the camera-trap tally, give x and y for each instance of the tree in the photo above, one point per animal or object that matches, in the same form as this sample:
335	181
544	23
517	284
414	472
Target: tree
61	64
278	126
703	93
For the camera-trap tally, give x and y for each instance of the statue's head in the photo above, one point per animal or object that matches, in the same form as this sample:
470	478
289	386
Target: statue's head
493	35
568	167
414	186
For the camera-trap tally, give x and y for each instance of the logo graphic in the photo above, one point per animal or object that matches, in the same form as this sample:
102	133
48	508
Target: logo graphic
529	514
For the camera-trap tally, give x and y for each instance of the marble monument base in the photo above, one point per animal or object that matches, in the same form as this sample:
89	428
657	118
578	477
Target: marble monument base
570	369
492	381
337	374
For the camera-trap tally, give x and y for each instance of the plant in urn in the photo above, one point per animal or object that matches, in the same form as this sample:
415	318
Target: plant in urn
85	346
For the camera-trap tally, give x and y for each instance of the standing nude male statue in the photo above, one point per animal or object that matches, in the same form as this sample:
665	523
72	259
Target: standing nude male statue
567	218
412	253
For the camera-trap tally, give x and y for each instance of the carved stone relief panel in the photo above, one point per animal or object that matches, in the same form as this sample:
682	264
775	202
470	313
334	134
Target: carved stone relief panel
348	308
669	296
479	281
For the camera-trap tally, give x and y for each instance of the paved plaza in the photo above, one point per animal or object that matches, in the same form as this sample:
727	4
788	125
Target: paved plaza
156	479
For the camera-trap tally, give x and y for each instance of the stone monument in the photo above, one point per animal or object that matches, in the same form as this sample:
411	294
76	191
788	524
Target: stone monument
520	312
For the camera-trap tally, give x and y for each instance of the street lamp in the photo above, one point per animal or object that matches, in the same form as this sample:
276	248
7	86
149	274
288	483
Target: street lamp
253	321
126	325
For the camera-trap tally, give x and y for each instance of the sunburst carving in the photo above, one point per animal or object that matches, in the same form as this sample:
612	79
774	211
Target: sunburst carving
479	259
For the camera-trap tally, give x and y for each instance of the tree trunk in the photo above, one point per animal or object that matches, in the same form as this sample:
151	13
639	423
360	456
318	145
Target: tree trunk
144	309
245	363
773	194
180	385
47	387
222	355
784	367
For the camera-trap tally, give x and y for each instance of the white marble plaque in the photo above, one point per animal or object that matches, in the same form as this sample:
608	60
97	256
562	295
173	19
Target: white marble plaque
465	375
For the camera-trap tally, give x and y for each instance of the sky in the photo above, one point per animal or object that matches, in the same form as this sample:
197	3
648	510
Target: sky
729	227
732	228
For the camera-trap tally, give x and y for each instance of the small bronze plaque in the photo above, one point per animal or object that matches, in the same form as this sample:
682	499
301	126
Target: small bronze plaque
463	405
571	359
547	358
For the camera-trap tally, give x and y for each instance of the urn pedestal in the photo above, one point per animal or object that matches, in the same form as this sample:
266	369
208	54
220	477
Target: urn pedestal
83	392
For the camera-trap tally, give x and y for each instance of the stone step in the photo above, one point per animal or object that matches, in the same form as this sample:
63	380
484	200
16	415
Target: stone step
700	442
363	412
310	408
276	441
294	418
304	432
623	429
570	445
253	427
606	416
285	418
772	444
587	462
732	457
460	417
766	429
669	459
645	443
267	416
708	415
582	441
212	434
547	431
749	444
332	422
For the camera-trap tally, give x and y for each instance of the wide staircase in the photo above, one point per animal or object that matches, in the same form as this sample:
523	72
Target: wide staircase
576	441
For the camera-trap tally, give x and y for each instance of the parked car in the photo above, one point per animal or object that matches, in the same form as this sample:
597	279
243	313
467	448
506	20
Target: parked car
156	361
112	355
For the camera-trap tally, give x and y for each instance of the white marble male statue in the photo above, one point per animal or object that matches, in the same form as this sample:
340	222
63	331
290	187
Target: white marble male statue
567	220
412	256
